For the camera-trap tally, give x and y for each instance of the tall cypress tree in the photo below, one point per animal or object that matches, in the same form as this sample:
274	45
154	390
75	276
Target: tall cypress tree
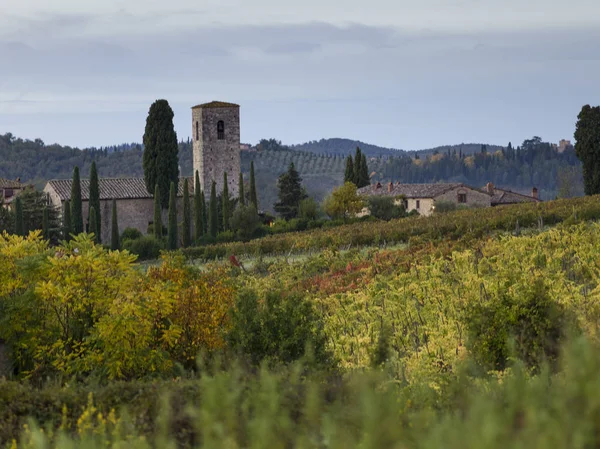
357	164
349	174
66	234
213	214
225	206
587	147
198	212
363	178
204	213
76	204
114	231
160	157
242	198
187	216
253	196
172	235
46	224
92	223
95	202
158	227
19	224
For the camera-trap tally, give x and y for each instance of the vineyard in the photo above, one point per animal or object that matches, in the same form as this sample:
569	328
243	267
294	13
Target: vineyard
456	337
464	225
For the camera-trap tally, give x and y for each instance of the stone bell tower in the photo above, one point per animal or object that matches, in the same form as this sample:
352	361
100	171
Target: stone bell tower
216	148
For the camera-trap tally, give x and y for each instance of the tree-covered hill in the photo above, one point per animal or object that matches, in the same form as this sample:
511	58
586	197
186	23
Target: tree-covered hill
344	147
534	163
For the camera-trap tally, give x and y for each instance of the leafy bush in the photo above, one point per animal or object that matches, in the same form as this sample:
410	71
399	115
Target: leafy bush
145	247
277	327
131	234
245	221
225	236
384	208
529	320
308	209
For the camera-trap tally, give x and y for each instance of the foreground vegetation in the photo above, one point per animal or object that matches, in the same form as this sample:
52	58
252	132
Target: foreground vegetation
481	331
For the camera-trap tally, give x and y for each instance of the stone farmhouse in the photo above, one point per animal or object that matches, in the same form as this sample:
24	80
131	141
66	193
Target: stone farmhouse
9	190
423	197
135	206
216	149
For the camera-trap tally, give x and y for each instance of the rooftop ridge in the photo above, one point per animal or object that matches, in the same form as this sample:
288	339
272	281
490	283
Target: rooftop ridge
216	104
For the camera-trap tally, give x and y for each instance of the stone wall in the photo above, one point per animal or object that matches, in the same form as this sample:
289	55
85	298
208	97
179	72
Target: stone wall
212	156
475	198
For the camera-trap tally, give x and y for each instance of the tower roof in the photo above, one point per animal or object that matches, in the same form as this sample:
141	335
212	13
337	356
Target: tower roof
217	104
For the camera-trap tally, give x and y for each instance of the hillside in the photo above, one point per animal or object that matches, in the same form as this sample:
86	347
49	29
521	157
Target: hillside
535	163
344	147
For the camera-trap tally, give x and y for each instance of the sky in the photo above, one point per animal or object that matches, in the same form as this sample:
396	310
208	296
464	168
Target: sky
407	74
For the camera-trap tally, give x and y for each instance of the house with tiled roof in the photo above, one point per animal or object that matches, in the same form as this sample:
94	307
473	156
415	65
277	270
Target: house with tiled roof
9	189
423	197
135	206
502	197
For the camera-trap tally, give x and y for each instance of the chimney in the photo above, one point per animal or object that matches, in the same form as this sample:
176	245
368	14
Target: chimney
390	187
534	193
377	186
490	188
19	179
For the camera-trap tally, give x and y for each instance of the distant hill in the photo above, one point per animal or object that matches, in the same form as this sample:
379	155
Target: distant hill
465	148
344	147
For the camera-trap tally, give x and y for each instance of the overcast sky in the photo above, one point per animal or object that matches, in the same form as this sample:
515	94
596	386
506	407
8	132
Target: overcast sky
406	74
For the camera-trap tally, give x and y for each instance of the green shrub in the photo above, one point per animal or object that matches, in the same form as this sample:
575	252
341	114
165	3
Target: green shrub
245	221
146	247
308	209
527	325
383	207
131	234
225	236
277	328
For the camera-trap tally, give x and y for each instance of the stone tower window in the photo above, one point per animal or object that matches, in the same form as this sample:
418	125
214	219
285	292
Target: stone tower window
197	133
220	130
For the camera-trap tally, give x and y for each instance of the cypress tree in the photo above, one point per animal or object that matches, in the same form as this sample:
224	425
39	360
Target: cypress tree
19	224
67	221
92	223
357	164
213	217
349	174
225	205
242	196
160	158
95	202
363	178
114	232
76	206
587	147
46	224
204	213
187	216
253	196
158	227
198	212
172	236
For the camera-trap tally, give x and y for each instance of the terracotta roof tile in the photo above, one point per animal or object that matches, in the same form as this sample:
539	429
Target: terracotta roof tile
110	188
502	196
11	184
413	190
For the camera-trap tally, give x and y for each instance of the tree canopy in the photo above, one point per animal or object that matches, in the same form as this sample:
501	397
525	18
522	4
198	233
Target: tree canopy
291	192
160	158
587	147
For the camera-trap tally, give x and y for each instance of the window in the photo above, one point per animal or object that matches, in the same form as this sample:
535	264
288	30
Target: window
8	193
462	198
197	132
418	204
220	130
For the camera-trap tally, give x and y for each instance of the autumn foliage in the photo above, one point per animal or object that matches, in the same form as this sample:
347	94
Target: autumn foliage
80	310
